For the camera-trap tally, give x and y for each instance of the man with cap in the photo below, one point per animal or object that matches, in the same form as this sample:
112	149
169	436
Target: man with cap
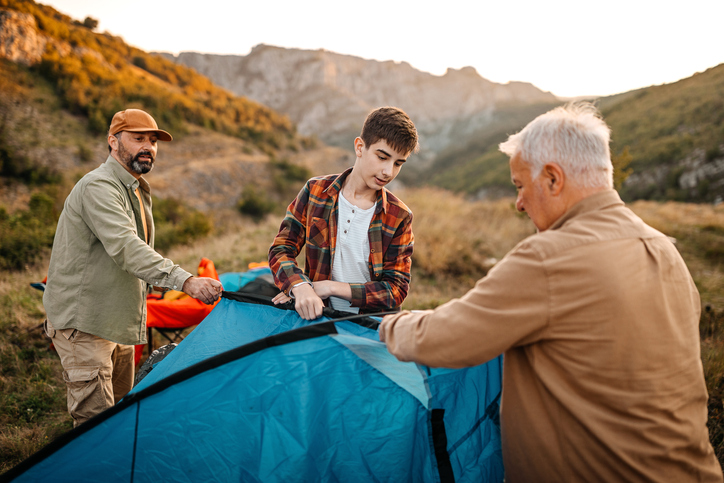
101	266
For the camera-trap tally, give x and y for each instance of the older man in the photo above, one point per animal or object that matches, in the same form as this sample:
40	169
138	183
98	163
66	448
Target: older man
597	316
101	266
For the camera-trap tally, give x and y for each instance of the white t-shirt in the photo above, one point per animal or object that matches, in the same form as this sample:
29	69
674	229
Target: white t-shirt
351	256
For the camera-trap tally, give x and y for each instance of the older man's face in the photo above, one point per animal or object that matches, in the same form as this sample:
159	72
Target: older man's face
534	196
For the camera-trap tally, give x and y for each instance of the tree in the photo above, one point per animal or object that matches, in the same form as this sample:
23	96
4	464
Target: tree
90	23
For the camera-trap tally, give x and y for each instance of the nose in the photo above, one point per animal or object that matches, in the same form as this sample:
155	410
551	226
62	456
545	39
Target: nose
147	145
519	204
387	170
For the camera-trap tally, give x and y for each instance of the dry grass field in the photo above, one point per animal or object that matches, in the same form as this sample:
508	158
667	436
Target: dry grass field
456	243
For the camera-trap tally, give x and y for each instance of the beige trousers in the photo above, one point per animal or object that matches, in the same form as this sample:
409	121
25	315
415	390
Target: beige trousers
97	372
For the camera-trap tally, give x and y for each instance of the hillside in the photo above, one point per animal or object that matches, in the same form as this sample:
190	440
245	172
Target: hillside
675	135
671	136
61	83
329	94
97	74
55	110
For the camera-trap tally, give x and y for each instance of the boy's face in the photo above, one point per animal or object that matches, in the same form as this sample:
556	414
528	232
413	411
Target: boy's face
378	164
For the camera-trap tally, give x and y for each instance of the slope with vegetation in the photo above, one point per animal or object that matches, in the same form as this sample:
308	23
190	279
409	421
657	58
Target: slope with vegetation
667	144
60	84
97	75
675	135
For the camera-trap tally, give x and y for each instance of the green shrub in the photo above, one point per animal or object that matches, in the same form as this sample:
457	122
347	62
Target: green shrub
25	235
288	178
177	224
85	154
18	167
254	204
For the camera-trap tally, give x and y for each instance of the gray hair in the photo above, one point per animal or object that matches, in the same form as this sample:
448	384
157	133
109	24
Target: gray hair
573	136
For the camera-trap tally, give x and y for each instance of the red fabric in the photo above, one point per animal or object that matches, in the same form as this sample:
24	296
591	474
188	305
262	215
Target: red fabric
180	313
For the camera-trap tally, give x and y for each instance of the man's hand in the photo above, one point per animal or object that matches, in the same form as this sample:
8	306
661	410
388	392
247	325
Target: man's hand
205	289
307	303
382	329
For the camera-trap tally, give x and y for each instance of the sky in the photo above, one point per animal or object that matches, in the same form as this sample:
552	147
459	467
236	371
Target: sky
570	48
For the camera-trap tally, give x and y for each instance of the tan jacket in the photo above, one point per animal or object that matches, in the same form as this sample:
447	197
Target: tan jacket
598	318
100	265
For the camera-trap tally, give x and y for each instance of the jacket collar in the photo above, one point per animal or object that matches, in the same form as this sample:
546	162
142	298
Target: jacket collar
128	180
334	189
595	202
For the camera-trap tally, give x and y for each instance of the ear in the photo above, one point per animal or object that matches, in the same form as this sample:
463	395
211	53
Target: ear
359	144
555	178
113	142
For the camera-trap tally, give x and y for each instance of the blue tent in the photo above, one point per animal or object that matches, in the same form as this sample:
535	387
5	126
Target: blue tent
256	393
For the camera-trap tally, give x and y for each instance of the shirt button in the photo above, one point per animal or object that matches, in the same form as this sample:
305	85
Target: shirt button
345	231
347	221
372	250
352	211
174	287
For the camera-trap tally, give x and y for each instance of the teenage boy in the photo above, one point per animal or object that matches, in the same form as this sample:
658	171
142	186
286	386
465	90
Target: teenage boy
358	234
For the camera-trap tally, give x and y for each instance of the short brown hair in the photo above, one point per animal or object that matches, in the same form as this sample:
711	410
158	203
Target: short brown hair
393	126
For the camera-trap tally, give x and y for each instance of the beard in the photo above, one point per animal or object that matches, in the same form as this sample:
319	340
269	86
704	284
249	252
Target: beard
133	162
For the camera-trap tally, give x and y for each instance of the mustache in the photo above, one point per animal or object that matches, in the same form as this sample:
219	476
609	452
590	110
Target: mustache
144	153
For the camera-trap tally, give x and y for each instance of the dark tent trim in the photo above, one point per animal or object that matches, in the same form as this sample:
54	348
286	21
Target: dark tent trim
294	335
439	441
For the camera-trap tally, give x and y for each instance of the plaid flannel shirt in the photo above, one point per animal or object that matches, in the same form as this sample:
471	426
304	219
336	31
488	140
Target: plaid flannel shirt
311	219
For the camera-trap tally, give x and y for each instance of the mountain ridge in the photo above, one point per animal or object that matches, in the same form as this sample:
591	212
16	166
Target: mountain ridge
328	94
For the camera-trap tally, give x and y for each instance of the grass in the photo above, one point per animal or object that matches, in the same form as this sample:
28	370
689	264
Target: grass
32	391
457	241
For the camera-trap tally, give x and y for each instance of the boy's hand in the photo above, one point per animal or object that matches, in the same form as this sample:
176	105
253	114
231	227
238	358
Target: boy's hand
281	298
307	303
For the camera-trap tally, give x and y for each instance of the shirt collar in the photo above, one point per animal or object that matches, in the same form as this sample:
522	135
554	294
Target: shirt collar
595	202
336	186
128	180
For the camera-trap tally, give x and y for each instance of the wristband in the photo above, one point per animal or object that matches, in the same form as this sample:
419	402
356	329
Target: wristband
291	294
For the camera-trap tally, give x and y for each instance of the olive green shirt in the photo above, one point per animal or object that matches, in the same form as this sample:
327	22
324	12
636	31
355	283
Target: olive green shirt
101	266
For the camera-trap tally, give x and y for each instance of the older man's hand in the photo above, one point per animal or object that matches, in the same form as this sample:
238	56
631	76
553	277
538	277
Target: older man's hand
206	289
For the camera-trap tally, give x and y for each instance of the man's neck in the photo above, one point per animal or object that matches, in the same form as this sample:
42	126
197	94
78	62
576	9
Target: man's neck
578	194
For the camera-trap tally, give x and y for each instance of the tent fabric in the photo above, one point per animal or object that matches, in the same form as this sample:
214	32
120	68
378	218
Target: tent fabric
255	393
234	281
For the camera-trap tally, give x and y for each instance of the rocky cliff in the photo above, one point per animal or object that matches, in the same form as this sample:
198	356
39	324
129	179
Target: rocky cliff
19	39
329	94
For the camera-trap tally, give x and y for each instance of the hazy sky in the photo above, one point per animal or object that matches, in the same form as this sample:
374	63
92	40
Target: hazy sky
571	48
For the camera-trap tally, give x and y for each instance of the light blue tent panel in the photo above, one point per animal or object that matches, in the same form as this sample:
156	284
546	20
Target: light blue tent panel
257	394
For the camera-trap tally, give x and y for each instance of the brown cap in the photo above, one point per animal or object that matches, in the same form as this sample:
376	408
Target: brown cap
136	120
